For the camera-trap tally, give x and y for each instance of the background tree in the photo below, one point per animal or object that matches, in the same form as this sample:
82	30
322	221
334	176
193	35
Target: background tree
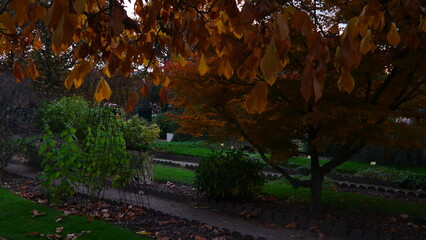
390	82
16	118
263	43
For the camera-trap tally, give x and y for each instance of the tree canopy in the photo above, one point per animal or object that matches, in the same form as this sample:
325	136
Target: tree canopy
328	70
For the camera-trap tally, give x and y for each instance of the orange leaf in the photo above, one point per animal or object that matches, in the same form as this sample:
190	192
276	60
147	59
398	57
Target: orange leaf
163	96
103	91
346	82
70	79
258	98
37	42
17	72
116	22
203	68
393	37
31	70
144	90
248	13
270	63
302	22
58	36
131	102
166	82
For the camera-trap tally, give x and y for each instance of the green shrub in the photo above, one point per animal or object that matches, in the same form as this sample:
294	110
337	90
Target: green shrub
413	182
138	134
381	173
65	113
165	124
229	175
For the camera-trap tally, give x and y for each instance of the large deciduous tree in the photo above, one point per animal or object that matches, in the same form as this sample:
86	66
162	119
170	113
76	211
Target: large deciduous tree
284	61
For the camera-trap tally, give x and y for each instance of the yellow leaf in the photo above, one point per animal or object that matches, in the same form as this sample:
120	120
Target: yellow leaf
423	24
202	65
346	82
393	37
144	233
166	82
270	63
228	71
17	72
366	43
258	98
70	79
103	91
281	27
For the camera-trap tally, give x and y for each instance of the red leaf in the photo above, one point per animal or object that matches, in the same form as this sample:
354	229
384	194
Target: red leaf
131	102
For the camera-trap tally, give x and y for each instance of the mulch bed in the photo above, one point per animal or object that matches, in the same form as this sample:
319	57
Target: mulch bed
152	224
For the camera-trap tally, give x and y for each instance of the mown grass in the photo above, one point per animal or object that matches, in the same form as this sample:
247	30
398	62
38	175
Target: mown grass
17	221
331	199
201	149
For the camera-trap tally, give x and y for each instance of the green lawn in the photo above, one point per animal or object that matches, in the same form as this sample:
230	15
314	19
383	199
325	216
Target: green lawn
17	221
282	189
201	149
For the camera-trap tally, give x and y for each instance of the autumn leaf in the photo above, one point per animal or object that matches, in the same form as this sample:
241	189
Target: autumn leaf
203	68
282	27
79	6
17	72
366	43
37	42
165	82
58	36
144	90
258	99
131	102
393	37
163	96
292	225
346	82
31	70
36	213
270	63
248	13
144	233
103	91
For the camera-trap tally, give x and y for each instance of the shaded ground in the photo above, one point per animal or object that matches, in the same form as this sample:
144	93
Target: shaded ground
138	219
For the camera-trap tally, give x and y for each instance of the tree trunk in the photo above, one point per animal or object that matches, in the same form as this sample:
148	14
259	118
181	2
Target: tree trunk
316	191
1	175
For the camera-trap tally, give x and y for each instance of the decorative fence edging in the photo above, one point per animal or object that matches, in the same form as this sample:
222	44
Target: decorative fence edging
337	228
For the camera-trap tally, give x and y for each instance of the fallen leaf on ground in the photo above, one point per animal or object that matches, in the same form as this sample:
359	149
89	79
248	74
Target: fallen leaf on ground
36	213
197	237
59	229
2	238
54	236
33	234
292	225
298	236
144	233
207	227
219	238
272	226
404	215
322	236
249	215
90	219
313	228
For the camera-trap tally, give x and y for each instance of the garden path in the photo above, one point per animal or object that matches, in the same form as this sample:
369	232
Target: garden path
208	216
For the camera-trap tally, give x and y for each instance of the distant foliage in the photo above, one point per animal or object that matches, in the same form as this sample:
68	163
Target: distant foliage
413	182
138	134
65	113
229	175
165	124
380	173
